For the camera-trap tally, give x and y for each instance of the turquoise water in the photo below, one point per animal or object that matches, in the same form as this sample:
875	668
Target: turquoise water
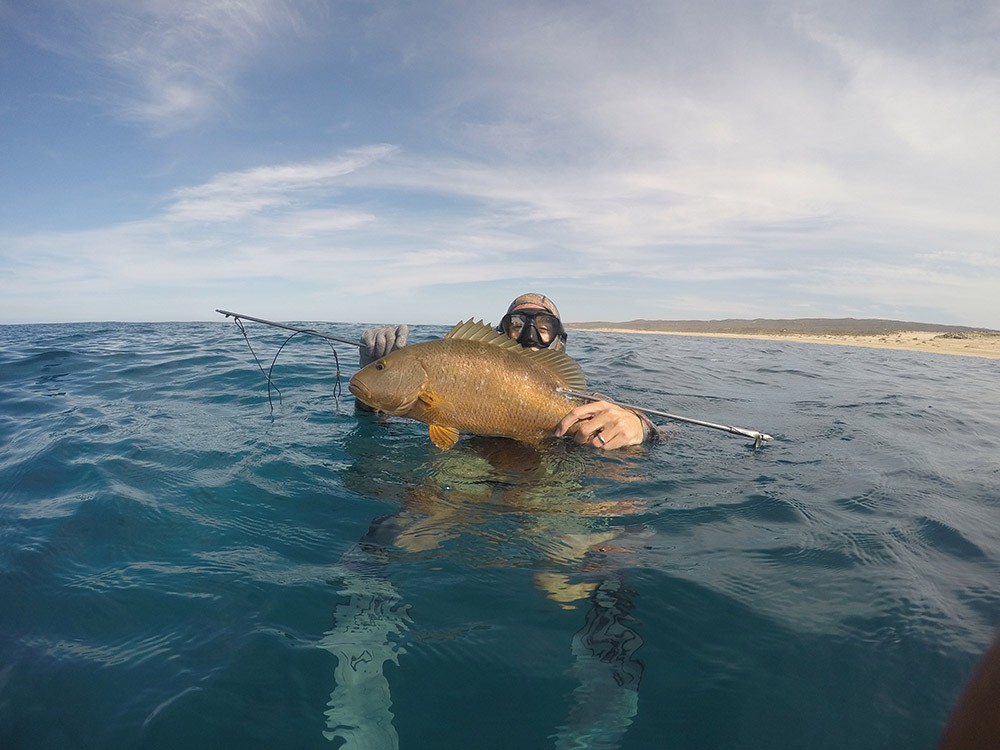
181	567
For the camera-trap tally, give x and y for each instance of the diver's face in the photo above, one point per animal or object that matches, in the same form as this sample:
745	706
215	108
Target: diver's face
533	327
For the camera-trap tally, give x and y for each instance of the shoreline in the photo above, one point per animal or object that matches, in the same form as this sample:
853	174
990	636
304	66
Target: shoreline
931	342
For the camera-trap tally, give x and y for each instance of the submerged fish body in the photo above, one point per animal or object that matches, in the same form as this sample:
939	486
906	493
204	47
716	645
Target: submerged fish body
473	380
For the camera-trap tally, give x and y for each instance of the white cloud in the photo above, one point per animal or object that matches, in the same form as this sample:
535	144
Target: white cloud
235	195
297	226
173	63
787	154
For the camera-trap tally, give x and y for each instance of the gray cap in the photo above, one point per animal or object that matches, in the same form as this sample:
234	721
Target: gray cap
535	300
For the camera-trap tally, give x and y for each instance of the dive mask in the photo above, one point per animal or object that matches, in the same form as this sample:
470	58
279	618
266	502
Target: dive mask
532	327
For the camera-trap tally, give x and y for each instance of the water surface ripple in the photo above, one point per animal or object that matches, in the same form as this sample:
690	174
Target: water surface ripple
181	567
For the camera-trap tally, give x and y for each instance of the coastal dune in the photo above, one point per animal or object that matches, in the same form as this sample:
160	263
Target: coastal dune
880	334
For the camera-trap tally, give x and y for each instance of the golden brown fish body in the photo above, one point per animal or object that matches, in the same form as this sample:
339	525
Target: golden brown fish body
473	380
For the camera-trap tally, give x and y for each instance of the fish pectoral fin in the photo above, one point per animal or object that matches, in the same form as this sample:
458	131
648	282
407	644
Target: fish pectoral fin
443	437
429	398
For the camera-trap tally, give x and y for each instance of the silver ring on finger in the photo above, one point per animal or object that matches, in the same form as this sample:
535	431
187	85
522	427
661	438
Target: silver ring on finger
601	438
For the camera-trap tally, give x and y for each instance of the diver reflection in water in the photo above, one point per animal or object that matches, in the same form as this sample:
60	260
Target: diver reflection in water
605	664
465	492
365	636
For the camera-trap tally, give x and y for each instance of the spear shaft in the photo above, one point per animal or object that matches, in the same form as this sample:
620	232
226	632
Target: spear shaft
758	437
309	331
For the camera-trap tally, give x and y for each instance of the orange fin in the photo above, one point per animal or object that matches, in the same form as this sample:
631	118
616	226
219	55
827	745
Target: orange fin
443	437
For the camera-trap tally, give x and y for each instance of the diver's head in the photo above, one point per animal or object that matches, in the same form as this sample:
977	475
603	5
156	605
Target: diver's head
533	321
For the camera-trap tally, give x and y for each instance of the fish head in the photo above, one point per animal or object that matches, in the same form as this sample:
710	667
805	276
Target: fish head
391	384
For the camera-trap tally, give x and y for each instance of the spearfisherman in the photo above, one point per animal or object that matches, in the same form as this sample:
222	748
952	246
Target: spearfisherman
533	321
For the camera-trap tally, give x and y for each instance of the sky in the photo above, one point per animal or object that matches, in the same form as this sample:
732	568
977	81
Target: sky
426	162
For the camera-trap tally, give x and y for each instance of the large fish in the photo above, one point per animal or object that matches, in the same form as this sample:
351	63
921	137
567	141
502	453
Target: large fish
474	380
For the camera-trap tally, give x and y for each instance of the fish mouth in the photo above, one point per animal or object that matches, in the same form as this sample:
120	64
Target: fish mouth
364	394
361	393
389	404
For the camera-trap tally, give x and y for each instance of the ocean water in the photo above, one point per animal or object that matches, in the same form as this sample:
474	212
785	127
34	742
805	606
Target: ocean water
182	566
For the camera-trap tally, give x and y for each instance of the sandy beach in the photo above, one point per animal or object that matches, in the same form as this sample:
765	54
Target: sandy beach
965	345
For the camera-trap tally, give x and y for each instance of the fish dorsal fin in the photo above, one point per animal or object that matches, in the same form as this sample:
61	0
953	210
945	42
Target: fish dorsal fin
477	330
563	367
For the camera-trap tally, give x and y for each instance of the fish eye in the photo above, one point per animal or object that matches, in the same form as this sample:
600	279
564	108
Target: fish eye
380	365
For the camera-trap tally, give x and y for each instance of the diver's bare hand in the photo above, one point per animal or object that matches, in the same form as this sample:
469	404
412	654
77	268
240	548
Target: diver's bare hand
602	425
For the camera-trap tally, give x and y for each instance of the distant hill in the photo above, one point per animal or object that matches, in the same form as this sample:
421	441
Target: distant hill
766	326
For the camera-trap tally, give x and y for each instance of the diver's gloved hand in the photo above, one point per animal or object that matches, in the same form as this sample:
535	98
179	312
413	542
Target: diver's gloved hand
379	341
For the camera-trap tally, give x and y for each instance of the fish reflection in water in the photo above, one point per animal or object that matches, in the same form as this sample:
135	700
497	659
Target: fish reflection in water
541	496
